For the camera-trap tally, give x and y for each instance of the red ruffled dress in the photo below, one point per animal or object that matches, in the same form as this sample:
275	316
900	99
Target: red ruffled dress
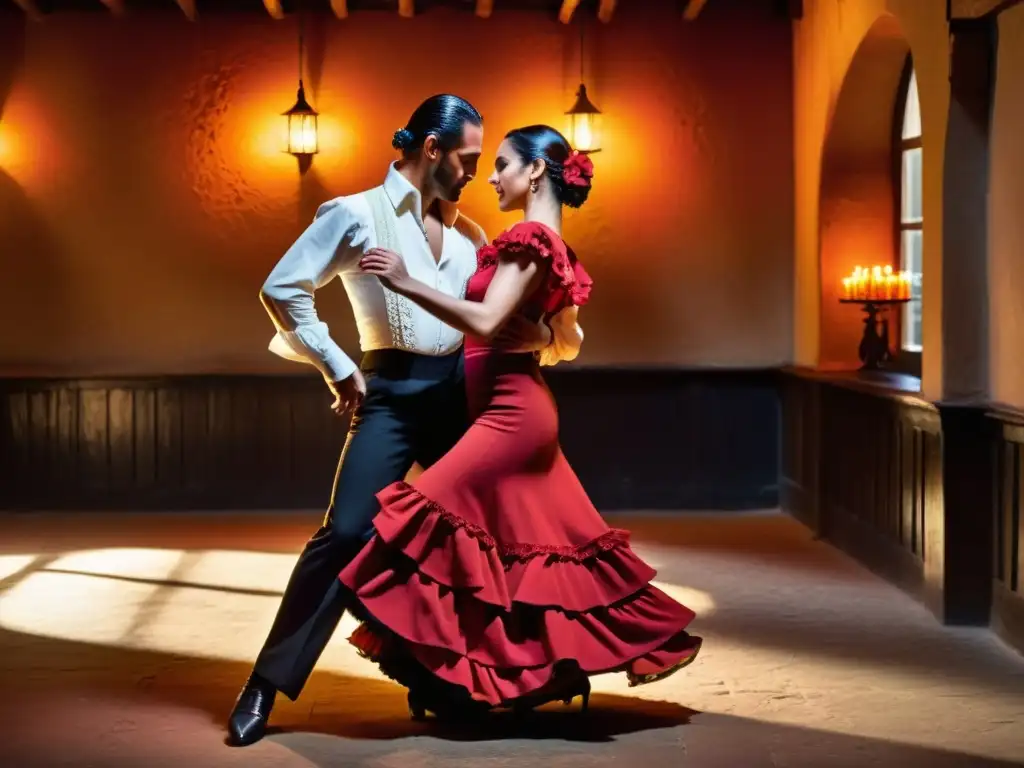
494	566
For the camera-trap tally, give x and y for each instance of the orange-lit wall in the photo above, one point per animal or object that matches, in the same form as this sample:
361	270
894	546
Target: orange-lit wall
824	45
1006	217
857	203
143	198
829	225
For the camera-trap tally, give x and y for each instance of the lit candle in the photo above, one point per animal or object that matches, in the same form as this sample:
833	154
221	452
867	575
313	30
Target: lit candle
876	283
847	287
891	286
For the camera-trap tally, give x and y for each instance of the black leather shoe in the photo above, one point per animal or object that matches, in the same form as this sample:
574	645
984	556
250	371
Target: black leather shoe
248	721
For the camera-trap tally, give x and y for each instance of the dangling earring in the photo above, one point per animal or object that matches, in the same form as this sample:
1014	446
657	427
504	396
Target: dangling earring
534	186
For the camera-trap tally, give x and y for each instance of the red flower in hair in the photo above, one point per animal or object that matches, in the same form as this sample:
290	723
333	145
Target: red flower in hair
578	170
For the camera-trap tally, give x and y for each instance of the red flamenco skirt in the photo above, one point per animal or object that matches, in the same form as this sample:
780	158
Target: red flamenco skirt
496	569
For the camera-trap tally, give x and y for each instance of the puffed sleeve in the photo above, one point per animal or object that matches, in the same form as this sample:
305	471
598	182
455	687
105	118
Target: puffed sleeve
567	284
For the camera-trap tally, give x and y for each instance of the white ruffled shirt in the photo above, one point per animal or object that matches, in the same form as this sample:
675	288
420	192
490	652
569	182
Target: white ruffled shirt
342	231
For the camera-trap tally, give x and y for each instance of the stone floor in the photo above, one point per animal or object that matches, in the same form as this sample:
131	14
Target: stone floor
124	638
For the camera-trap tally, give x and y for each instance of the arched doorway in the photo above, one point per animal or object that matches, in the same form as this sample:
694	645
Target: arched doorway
862	205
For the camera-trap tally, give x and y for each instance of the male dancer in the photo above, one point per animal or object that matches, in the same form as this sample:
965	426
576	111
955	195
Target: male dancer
408	394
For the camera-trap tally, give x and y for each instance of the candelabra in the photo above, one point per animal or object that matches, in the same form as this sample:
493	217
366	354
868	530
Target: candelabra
875	290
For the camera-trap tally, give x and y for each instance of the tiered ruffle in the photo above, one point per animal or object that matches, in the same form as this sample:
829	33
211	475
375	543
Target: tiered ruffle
495	619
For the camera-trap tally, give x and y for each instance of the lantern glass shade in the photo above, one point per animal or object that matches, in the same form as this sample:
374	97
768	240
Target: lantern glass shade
584	123
302	126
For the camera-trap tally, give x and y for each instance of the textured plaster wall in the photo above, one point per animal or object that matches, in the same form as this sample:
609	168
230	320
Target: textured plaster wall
1006	223
144	198
825	42
857	193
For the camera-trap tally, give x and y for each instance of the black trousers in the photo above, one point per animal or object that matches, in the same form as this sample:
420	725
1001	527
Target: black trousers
414	411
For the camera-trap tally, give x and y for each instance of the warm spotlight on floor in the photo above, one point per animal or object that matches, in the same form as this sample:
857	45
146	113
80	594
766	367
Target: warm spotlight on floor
204	603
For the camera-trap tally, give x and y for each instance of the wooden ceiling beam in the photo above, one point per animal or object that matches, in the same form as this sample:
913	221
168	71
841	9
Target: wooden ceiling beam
693	9
568	9
274	8
31	9
976	9
606	10
340	8
484	8
406	8
116	7
188	7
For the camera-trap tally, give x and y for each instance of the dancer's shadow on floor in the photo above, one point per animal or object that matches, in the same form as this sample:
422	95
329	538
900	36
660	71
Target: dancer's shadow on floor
334	703
608	717
345	719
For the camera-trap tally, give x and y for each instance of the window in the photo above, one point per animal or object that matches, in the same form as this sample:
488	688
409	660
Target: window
911	219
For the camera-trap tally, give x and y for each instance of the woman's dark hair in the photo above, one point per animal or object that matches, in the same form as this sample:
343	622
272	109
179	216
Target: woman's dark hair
542	142
444	116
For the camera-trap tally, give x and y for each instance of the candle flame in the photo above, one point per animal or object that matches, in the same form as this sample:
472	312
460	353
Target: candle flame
876	283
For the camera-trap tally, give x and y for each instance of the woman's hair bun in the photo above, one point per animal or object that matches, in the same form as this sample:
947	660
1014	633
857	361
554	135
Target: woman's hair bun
402	139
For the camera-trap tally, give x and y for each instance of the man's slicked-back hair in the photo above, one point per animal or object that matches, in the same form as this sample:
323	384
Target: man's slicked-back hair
444	116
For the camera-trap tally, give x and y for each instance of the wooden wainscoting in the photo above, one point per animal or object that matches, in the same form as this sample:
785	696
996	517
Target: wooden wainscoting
1008	554
926	495
862	467
801	451
671	439
637	439
168	443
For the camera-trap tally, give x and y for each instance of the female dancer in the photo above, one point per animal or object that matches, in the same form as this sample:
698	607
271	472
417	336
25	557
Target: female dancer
492	581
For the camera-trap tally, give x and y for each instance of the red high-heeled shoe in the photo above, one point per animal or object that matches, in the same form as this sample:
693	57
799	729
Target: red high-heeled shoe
419	706
582	690
563	689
